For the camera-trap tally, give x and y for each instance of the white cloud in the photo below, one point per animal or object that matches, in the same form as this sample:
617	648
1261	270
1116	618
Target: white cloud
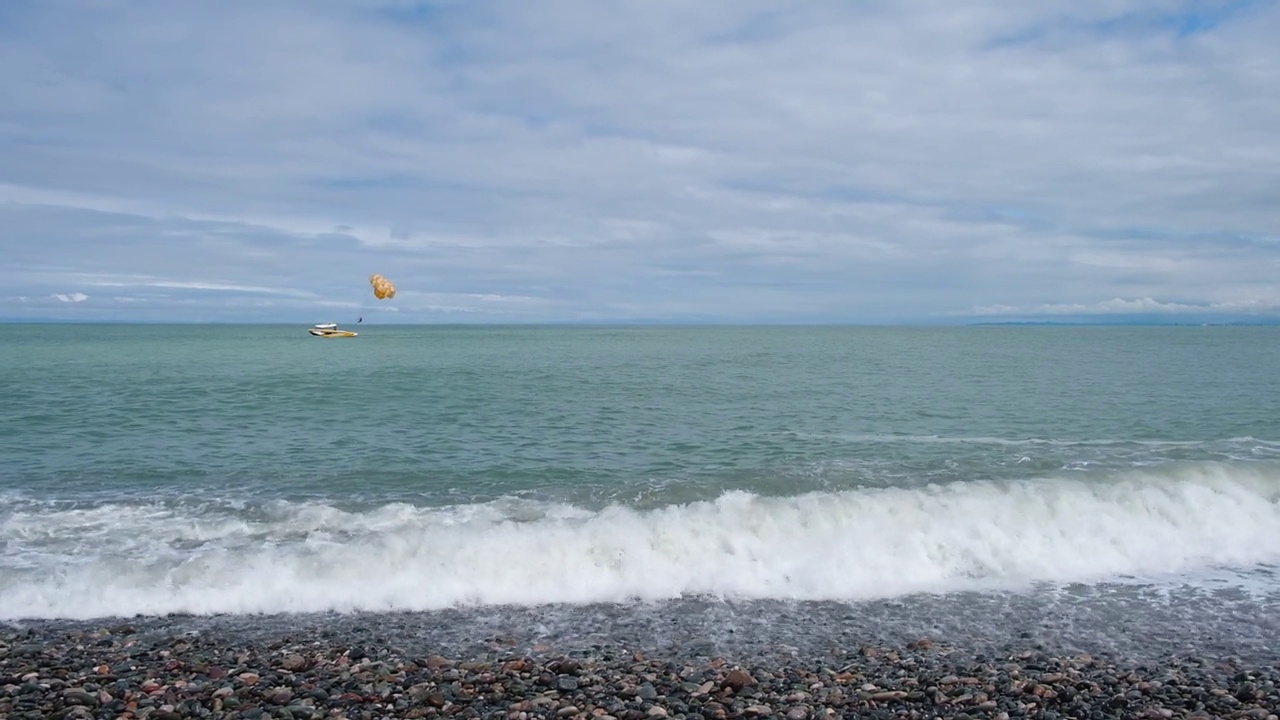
1133	306
202	285
75	297
722	159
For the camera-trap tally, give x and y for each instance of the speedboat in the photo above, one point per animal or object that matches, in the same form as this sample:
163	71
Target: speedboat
329	330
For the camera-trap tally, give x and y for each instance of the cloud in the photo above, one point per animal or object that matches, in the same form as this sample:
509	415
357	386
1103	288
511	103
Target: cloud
75	297
200	285
1134	306
722	160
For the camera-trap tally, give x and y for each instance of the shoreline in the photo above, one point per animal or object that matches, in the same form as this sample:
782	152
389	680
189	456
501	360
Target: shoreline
1129	623
357	669
1128	652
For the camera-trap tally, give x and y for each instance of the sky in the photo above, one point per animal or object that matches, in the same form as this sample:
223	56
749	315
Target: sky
509	161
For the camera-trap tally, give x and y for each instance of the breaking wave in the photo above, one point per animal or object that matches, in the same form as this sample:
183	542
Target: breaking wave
120	559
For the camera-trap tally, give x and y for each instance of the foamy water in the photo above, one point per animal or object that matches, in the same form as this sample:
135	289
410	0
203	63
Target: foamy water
233	470
121	559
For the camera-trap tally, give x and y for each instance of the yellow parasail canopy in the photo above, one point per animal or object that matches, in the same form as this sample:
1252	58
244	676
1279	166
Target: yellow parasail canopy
382	287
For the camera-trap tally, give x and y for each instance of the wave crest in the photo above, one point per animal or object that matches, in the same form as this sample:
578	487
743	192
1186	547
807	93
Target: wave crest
117	560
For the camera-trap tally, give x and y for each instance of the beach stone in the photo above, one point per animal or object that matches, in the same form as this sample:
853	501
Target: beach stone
76	696
319	695
303	712
293	662
737	679
436	662
280	696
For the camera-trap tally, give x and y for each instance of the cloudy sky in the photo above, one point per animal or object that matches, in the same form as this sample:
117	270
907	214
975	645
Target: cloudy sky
601	160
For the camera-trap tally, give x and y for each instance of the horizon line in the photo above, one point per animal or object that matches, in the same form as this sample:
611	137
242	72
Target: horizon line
1101	322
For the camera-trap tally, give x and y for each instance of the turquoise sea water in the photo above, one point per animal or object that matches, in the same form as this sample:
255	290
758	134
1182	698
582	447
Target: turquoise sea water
221	469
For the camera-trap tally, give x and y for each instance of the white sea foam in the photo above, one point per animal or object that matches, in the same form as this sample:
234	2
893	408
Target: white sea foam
877	438
871	543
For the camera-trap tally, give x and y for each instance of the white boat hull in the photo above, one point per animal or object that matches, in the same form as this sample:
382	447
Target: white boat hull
330	331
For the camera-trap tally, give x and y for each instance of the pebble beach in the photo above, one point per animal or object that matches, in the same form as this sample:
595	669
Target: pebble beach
364	667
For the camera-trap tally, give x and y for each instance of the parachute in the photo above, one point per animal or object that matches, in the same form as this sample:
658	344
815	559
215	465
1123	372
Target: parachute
382	287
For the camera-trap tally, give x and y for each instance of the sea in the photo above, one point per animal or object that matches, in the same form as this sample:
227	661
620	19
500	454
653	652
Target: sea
704	488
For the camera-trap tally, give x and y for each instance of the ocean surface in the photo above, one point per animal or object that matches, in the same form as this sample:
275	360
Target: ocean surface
801	471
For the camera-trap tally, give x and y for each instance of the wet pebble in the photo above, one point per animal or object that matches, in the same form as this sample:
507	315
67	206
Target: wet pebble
307	676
